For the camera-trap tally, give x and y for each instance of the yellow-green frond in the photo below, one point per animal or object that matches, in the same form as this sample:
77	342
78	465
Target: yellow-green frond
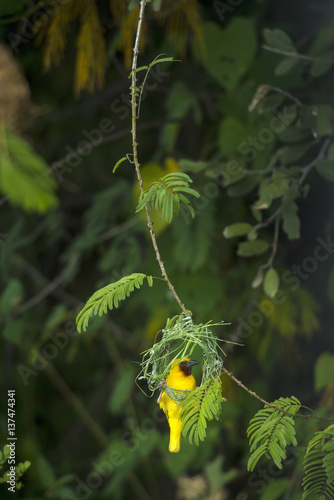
91	57
181	18
56	36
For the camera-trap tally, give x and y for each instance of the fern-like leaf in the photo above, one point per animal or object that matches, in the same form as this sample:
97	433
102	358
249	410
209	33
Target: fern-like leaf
109	296
202	404
24	176
167	193
318	481
270	431
20	468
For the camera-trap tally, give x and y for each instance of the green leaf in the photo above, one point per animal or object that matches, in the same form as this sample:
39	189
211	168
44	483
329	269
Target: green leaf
229	52
156	5
13	331
237	229
45	471
326	169
278	39
285	66
324	371
276	489
202	404
167	193
291	221
318	466
11	297
118	163
270	190
323	125
270	431
231	133
108	297
122	389
293	153
250	248
322	65
25	177
243	186
271	282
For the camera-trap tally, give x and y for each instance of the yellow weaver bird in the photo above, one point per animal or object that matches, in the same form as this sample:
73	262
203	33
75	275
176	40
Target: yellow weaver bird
180	378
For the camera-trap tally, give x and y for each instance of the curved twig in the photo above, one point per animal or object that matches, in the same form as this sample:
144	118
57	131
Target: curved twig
135	155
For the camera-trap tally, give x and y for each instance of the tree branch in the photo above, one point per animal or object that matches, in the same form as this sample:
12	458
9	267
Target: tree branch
135	155
252	393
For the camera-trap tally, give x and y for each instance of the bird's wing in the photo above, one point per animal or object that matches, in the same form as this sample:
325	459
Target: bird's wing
163	403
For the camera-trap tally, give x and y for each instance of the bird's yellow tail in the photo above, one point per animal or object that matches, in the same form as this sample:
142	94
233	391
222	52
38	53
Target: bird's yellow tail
174	443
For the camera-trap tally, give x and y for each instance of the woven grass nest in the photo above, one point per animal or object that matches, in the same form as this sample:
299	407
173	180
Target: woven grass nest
179	339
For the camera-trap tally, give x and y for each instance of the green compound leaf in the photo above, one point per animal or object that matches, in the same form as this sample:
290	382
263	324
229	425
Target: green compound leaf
167	193
20	468
271	282
319	466
109	296
270	431
202	404
24	176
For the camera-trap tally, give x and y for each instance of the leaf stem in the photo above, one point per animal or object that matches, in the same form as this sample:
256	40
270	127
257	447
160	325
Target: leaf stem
289	54
135	155
275	240
307	168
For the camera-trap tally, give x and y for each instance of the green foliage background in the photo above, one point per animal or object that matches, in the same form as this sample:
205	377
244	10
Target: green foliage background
81	421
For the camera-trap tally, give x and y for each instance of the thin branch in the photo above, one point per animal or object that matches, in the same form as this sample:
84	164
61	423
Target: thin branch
33	273
135	154
252	393
76	404
275	240
289	54
48	289
268	221
287	94
121	228
309	166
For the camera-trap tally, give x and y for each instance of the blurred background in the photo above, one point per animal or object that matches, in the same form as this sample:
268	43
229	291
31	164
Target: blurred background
247	112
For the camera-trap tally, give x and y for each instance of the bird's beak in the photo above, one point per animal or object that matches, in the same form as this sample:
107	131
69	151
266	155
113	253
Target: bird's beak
192	362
